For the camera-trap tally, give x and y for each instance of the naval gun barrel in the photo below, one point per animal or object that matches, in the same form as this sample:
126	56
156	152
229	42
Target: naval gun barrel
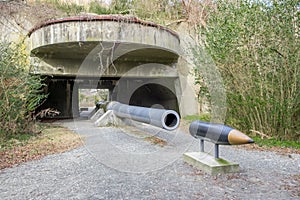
218	133
166	119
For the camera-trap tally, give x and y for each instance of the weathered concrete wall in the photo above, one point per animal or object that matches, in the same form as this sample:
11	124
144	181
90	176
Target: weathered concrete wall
186	89
186	66
117	68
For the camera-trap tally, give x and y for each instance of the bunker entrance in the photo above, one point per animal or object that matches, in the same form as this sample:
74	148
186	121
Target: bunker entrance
155	96
89	97
73	95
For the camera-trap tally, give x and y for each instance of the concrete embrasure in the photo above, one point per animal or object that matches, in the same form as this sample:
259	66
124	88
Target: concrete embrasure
209	164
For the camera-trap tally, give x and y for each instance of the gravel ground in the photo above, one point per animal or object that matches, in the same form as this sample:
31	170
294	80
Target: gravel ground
119	163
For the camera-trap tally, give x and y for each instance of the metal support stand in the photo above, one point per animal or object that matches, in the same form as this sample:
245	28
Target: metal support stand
216	151
201	145
201	141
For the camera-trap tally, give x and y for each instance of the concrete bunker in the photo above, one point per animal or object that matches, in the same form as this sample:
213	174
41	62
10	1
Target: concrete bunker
135	60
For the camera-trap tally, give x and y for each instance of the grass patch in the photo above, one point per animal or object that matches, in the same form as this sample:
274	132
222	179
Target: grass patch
23	148
272	142
203	117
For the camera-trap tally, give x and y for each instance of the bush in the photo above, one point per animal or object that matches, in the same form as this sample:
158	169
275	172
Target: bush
19	91
255	45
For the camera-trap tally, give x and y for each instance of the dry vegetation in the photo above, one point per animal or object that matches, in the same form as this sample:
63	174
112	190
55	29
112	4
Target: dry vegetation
52	140
280	150
19	17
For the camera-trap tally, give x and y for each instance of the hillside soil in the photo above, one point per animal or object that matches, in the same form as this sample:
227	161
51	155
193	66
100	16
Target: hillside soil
52	140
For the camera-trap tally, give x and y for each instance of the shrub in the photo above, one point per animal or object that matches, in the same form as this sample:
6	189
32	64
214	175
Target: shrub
19	91
255	45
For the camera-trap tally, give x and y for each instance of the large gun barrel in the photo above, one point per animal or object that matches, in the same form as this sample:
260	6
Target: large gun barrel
166	119
218	133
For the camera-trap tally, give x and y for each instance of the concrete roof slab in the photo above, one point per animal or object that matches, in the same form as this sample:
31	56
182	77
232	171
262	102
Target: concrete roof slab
78	36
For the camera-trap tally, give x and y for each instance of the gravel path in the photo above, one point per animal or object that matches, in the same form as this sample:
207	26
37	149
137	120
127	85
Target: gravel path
119	163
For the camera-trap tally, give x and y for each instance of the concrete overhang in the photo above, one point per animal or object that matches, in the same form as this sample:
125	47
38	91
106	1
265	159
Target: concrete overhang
76	37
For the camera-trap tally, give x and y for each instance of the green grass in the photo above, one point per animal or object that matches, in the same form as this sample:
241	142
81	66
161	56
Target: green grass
202	117
9	143
276	143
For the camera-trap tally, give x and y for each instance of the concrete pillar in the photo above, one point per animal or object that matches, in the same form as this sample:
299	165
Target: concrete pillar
75	100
